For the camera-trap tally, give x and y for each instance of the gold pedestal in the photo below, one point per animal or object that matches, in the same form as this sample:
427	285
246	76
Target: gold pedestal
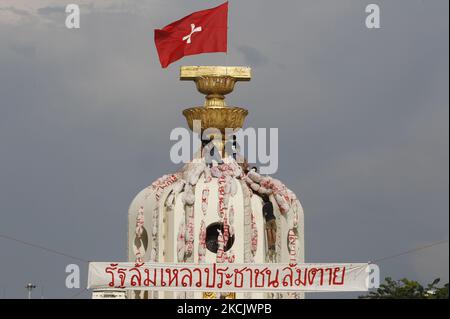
215	82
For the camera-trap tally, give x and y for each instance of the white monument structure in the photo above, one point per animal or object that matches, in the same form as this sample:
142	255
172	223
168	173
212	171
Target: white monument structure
223	212
216	228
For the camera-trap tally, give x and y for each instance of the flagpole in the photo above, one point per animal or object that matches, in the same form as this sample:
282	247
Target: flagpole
228	34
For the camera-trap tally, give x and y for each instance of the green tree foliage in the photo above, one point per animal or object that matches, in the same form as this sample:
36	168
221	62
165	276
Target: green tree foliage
408	289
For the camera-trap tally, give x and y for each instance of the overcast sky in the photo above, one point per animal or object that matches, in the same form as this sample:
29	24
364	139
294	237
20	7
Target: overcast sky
85	117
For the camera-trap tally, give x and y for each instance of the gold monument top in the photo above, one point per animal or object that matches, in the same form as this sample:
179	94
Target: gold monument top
215	82
240	73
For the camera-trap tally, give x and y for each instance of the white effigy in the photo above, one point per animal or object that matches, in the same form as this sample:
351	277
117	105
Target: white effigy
220	212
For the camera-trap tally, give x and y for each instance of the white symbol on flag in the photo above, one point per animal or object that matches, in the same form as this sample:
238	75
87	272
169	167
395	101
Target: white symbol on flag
193	30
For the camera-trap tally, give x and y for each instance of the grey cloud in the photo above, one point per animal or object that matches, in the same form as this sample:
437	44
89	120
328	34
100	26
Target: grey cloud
252	56
16	11
50	10
10	15
26	50
85	117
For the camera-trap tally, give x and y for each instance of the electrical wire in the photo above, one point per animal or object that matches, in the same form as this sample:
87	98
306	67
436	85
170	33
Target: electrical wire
409	251
43	248
87	261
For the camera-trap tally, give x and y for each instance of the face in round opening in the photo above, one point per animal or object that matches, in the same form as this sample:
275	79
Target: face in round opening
212	235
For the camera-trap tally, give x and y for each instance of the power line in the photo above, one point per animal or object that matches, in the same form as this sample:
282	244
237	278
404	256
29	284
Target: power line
87	261
410	251
43	248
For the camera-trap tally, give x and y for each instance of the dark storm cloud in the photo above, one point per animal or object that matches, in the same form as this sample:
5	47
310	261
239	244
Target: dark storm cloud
252	56
46	11
85	117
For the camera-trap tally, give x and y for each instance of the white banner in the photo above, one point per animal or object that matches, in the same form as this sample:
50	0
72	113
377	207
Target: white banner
229	277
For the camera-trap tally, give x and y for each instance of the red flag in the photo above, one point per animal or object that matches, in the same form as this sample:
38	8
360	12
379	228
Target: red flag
200	32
